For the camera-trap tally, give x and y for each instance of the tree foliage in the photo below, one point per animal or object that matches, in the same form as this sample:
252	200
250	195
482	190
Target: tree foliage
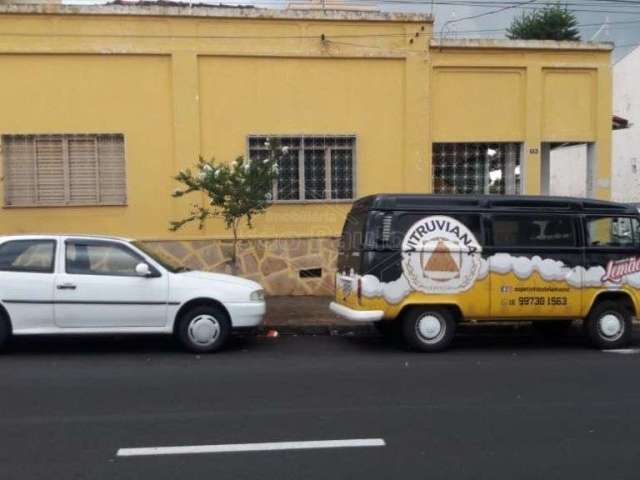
552	22
236	191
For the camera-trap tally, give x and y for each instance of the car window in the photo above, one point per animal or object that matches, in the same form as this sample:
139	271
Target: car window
101	259
533	231
27	256
612	232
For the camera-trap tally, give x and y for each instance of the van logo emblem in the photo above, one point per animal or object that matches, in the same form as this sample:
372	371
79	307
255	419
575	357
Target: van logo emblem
440	255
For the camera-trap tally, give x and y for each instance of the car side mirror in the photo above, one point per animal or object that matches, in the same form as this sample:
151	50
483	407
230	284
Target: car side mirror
143	270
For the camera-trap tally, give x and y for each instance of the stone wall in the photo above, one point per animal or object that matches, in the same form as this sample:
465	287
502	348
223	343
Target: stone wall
283	266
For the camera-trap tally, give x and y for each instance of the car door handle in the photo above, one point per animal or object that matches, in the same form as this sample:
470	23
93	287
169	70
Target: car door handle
66	286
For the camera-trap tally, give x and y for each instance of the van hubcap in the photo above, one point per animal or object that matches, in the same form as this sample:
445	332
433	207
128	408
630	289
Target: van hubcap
204	330
430	328
610	326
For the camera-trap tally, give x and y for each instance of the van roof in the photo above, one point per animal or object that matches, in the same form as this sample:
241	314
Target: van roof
408	201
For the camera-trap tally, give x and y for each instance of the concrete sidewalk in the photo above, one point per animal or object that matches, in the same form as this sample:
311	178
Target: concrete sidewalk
305	314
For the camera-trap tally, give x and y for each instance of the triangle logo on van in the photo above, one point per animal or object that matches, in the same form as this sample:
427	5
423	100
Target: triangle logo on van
440	255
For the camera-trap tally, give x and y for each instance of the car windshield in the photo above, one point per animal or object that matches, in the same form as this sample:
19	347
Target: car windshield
163	259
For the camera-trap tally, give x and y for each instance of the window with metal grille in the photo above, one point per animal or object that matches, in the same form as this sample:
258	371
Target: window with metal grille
58	170
476	168
315	168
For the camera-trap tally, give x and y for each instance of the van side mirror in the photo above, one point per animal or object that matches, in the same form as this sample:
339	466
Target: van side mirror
143	270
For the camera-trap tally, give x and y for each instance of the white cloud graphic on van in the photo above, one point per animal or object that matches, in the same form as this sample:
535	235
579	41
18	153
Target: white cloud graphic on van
550	270
392	292
502	263
523	267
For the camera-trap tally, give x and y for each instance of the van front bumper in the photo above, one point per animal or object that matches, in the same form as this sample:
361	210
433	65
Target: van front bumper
356	315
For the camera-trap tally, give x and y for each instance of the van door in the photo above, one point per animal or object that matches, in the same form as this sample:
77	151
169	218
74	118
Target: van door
612	253
534	265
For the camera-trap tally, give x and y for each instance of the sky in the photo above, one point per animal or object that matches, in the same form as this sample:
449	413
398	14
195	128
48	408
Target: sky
591	15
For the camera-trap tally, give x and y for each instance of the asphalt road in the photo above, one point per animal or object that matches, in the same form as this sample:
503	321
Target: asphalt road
495	406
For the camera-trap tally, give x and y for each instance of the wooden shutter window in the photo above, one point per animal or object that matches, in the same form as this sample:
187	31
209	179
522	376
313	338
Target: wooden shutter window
111	173
59	170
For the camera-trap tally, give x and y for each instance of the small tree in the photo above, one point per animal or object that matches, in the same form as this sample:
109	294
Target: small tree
235	191
553	22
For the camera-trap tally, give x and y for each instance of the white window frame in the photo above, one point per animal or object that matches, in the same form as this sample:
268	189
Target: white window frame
327	167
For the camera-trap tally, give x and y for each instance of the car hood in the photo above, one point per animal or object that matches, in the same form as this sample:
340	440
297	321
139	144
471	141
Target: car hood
222	278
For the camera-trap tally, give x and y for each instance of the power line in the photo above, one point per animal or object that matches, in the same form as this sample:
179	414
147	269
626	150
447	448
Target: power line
484	14
488	4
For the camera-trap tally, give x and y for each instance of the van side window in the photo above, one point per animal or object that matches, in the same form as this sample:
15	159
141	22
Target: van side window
404	221
612	232
533	231
353	231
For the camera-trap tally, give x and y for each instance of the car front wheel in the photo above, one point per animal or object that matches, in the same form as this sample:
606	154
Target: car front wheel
428	329
609	325
204	329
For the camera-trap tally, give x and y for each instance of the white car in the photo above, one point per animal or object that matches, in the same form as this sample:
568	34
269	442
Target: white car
73	284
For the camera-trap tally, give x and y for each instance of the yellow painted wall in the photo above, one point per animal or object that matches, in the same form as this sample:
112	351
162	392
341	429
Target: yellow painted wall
180	87
94	94
362	97
478	103
569	108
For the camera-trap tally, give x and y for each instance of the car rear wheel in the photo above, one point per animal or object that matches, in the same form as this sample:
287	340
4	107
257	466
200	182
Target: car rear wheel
428	329
204	329
609	325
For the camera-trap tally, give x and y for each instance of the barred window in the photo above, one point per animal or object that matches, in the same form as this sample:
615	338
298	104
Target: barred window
314	167
476	168
59	170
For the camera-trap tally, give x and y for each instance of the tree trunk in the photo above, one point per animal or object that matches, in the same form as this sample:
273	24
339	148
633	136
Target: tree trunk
234	252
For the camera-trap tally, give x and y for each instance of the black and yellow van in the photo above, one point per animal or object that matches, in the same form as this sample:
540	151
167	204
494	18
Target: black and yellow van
424	263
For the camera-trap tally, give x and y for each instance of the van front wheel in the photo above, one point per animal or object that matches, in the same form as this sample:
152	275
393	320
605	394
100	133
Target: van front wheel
609	325
428	329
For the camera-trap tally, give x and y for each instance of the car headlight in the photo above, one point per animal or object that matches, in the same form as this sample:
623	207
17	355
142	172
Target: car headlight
257	296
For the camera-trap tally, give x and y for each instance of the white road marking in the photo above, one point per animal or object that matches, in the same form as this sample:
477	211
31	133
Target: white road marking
251	447
624	351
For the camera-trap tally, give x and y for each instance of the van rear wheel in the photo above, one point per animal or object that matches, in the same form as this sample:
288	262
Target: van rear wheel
428	329
609	325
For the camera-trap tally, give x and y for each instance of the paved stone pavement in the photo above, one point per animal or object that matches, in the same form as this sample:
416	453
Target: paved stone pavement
302	311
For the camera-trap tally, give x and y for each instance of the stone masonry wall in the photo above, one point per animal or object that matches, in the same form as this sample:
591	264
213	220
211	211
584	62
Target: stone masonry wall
275	263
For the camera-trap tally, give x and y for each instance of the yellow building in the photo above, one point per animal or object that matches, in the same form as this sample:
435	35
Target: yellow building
102	105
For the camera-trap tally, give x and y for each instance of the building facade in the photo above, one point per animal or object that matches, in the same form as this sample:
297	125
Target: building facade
569	162
103	105
626	142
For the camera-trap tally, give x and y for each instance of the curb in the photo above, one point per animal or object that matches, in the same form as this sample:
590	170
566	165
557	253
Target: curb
334	330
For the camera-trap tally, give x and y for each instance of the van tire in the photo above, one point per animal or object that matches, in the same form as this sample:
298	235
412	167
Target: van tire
428	329
203	329
600	325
